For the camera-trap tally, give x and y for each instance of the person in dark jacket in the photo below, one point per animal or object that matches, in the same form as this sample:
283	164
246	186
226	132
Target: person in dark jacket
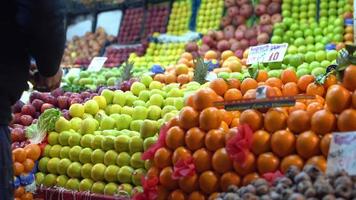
29	28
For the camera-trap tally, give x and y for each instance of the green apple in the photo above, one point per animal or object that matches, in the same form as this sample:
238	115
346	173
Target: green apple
139	103
73	184
111	189
96	142
55	151
156	85
53	138
63	138
91	107
318	71
135	144
63	166
179	103
97	156
62	180
74	153
127	110
108	95
122	143
144	95
98	171
137	176
139	112
85	185
126	188
146	80
52	165
39	178
148	128
331	55
110	157
119	98
85	171
98	187
130	99
50	180
88	126
74	139
136	125
154	112
75	123
64	152
167	109
107	123
74	170
86	140
76	110
149	141
113	109
137	87
110	174
85	155
124	174
136	160
123	159
62	125
101	101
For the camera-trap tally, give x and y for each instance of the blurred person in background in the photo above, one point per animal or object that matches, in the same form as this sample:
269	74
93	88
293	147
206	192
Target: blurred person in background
29	28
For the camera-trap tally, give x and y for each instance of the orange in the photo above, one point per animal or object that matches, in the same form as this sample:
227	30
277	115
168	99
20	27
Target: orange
247	167
210	118
173	122
213	196
163	158
233	83
221	161
262	76
28	165
18	168
176	195
274	82
160	77
196	196
33	151
214	139
337	99
235	122
325	144
19	191
188	118
170	78
194	138
181	69
229	178
315	89
304	81
329	81
297	106
20	154
187	56
267	162
291	160
290	89
202	160
288	76
354	99
227	116
209	55
298	121
189	183
219	85
253	118
283	143
162	192
250	94
232	94
313	107
307	144
180	153
153	172
226	54
204	98
260	142
208	182
318	161
183	79
346	120
349	79
27	196
189	101
223	126
249	178
175	137
165	178
275	120
322	122
247	84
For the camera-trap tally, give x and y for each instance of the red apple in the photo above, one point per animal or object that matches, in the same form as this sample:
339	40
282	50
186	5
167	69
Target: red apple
265	19
260	9
46	106
28	109
273	8
37	103
233	11
239	34
18	135
26	120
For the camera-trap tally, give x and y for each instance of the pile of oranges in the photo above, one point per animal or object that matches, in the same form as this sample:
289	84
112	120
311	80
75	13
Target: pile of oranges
24	162
283	136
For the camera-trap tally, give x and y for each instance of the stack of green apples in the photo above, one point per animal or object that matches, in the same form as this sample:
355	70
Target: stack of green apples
99	149
209	15
159	53
180	17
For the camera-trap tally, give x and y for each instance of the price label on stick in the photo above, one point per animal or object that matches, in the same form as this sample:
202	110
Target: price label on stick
342	153
267	53
96	64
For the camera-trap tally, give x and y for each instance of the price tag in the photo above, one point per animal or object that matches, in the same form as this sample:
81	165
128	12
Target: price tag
96	64
211	76
267	53
342	153
257	54
276	53
73	72
25	97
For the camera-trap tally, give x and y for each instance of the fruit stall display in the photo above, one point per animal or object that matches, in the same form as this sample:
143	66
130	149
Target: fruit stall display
80	50
209	15
130	30
179	18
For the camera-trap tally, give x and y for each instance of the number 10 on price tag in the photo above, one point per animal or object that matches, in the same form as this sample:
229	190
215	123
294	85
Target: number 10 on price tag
276	53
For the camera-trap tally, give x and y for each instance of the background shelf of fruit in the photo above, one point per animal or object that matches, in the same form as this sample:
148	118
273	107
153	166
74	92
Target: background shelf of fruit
116	124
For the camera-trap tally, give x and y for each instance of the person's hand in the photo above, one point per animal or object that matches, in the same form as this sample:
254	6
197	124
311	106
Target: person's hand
48	83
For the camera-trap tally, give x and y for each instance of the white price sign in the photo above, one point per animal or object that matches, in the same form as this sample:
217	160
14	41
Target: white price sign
25	97
267	53
73	72
342	153
96	64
